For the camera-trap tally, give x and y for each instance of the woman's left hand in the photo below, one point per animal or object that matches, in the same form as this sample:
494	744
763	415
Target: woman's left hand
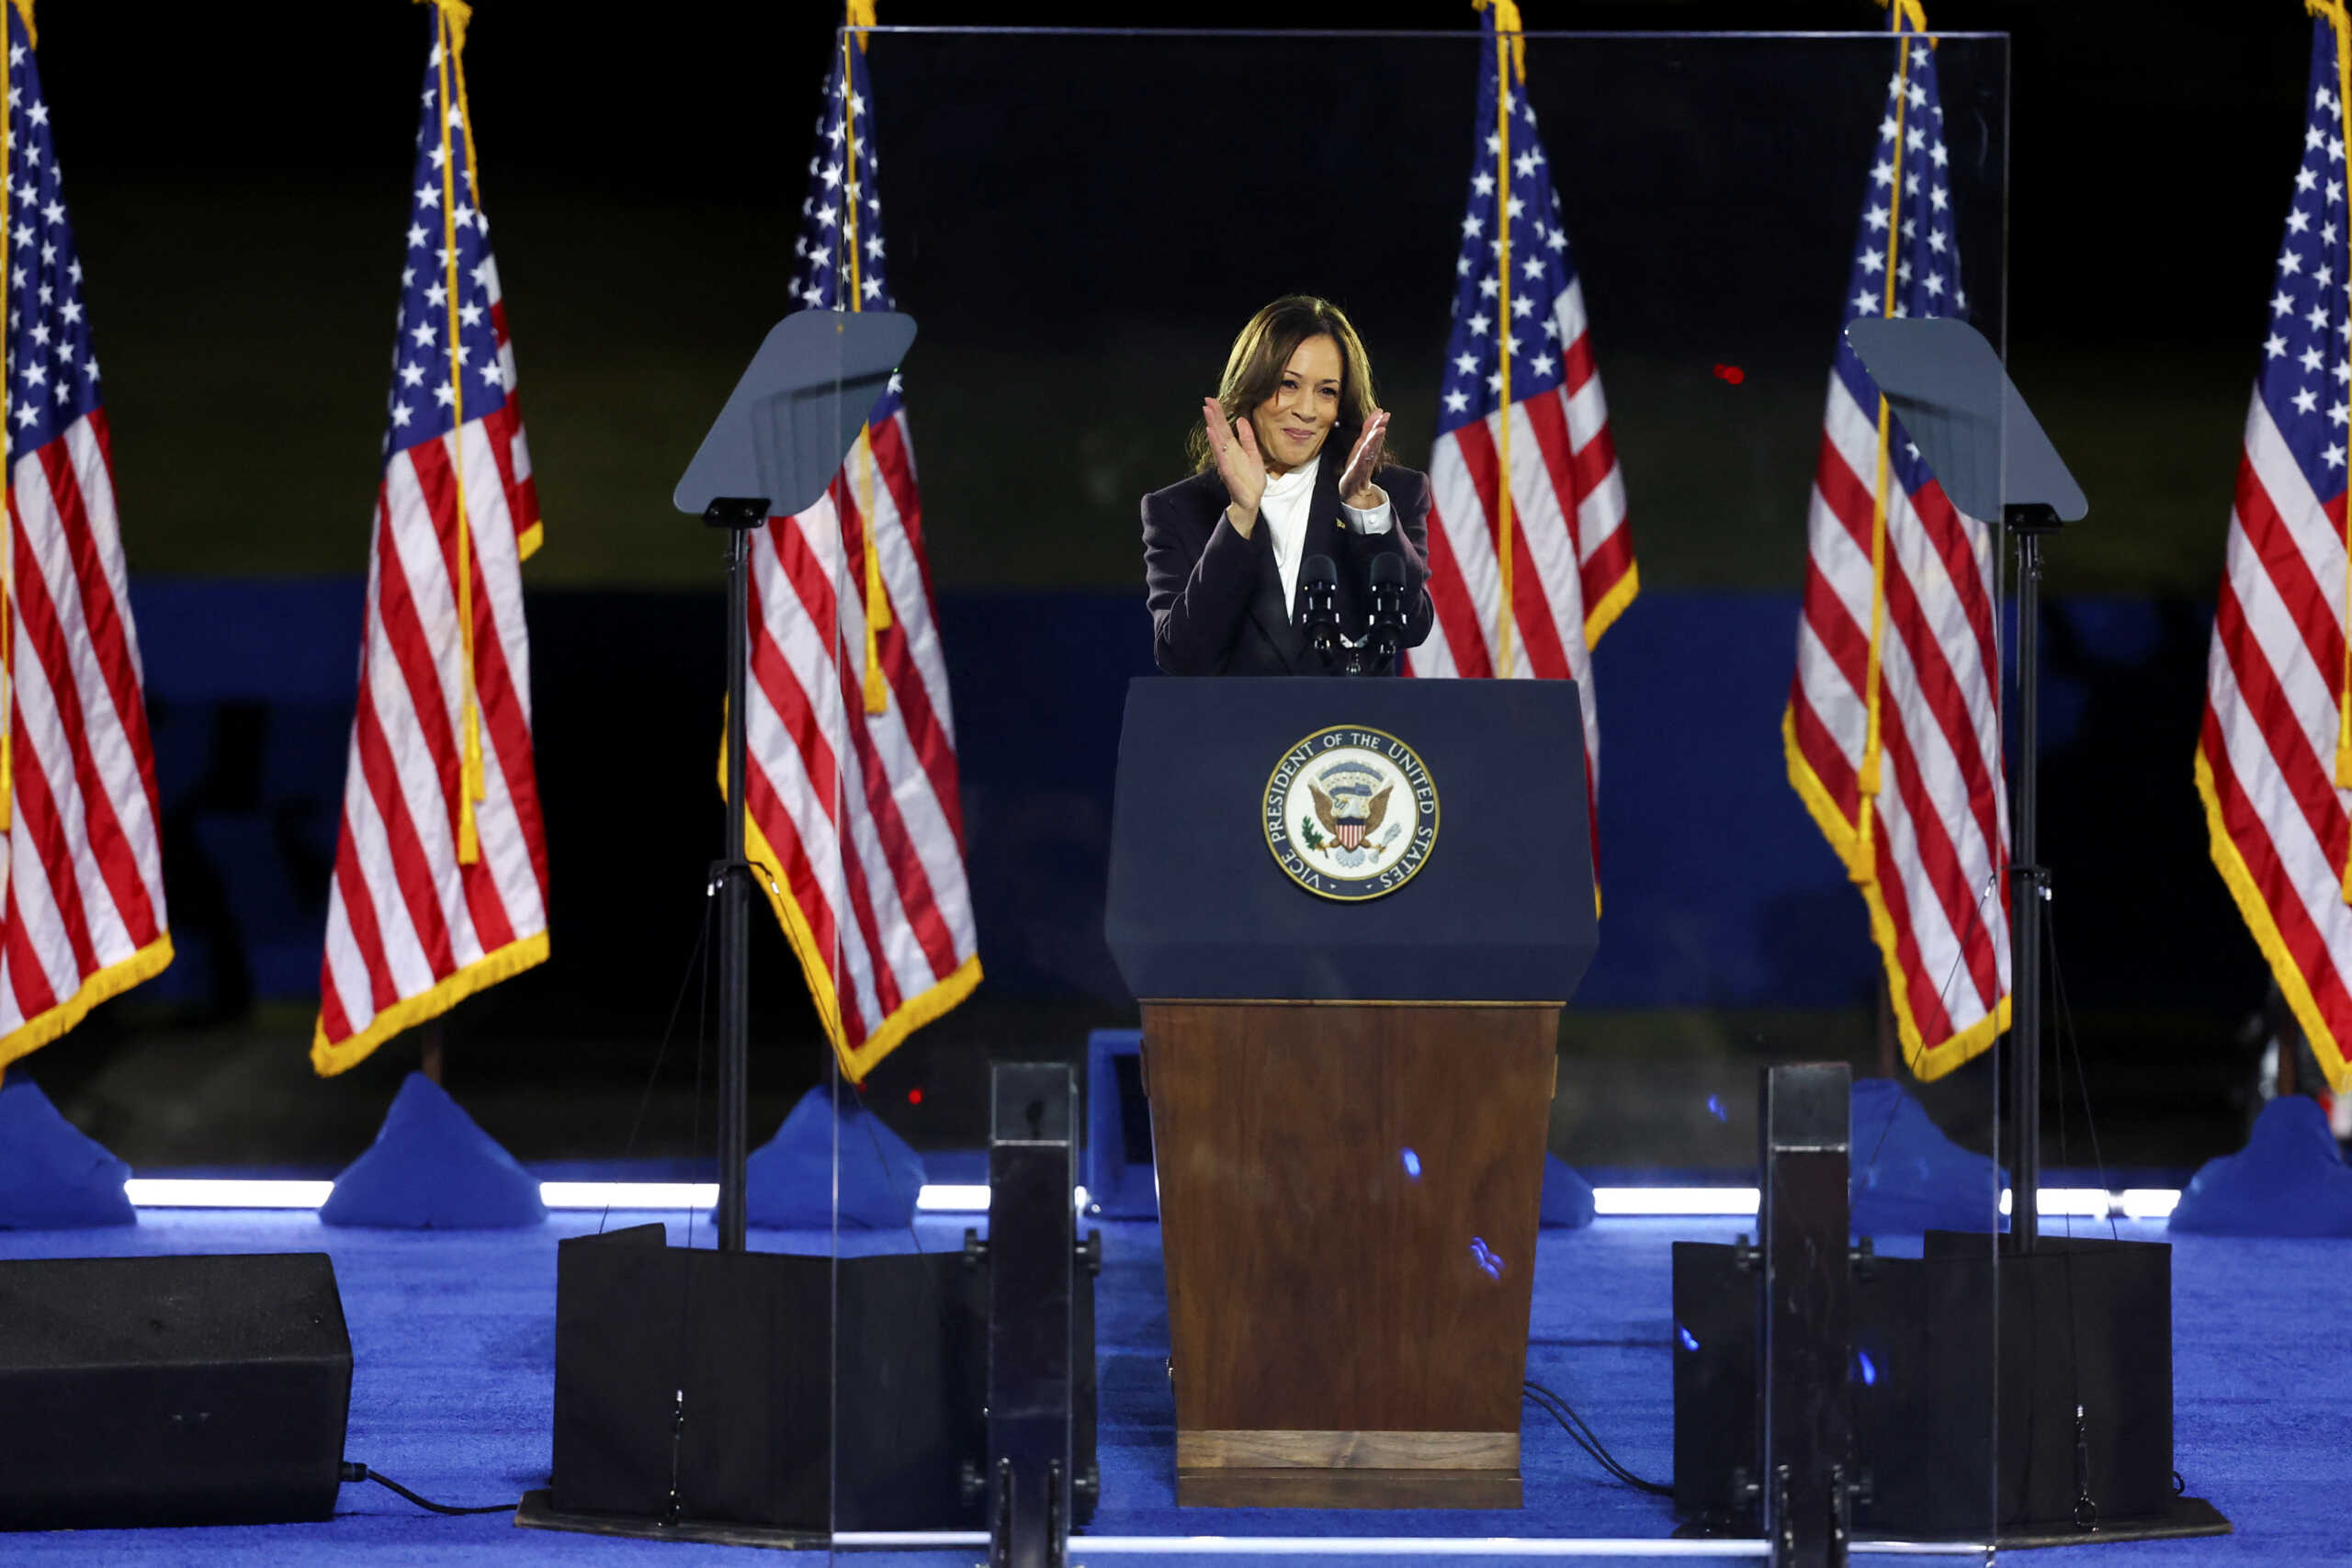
1355	480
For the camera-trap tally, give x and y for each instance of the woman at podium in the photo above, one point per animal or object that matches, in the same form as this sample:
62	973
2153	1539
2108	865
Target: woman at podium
1290	470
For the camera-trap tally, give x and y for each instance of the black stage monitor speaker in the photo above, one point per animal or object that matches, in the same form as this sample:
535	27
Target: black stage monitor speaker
171	1391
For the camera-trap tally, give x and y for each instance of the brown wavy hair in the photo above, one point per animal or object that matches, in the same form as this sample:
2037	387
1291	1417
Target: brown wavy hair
1253	369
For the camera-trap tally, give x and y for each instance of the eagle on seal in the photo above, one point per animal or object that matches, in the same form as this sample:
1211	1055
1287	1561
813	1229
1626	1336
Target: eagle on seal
1351	831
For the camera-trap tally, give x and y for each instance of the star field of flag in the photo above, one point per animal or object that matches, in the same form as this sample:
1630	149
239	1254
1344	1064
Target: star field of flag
845	208
1907	224
1541	270
52	371
2305	371
424	403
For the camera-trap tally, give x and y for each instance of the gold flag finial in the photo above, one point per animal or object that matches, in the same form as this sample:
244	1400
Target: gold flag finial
1906	12
860	14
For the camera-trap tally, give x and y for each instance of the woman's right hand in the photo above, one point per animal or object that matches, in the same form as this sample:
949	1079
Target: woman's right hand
1234	448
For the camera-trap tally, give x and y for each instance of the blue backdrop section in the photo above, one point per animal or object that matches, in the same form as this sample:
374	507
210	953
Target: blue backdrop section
250	688
1718	889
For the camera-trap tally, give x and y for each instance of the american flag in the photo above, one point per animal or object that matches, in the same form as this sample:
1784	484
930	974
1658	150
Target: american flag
851	782
1892	730
84	917
1554	544
2274	759
441	871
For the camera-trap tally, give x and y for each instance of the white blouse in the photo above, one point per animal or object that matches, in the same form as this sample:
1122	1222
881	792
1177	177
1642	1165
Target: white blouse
1283	508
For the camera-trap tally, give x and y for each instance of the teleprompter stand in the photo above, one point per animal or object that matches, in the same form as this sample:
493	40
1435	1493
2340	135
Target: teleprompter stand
686	1394
2023	1382
691	1404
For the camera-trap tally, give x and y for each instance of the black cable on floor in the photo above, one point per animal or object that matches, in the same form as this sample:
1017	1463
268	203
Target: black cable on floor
353	1472
1559	1410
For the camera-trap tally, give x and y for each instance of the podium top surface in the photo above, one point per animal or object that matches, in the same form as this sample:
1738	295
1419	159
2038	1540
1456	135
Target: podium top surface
1331	840
797	409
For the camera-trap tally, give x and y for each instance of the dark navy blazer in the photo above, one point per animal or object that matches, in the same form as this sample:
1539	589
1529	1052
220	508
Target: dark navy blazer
1216	598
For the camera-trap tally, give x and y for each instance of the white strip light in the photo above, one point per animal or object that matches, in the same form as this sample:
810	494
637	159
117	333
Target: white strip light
950	1198
629	1194
1678	1201
2092	1203
2147	1202
159	1193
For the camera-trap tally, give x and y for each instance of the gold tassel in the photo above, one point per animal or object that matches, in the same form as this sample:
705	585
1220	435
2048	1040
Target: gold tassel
453	16
877	599
1864	867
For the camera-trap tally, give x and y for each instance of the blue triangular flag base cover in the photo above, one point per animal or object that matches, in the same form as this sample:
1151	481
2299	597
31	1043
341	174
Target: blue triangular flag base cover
51	1176
1567	1197
788	1184
431	1168
2290	1179
1907	1177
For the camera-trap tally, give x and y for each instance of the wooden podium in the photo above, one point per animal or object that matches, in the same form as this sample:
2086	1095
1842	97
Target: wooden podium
1349	1093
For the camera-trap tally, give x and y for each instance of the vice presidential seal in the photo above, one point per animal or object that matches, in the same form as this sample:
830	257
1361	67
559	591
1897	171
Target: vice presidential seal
1350	813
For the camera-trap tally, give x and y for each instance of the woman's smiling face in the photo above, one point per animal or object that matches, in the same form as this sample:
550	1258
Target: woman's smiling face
1293	425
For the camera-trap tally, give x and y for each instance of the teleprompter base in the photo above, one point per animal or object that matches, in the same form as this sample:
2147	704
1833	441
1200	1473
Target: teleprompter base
538	1512
2186	1519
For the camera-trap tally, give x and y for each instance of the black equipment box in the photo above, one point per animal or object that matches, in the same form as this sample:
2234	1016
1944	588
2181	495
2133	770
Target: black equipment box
2081	1320
691	1386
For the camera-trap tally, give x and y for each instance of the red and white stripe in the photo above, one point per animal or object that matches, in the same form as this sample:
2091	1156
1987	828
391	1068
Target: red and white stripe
2265	756
410	929
1572	556
85	916
856	815
1930	848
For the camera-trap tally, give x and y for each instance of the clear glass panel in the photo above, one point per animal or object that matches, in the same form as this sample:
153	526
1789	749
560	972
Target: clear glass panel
1334	1299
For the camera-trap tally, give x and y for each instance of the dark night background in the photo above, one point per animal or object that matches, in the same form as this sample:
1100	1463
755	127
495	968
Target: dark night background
1080	224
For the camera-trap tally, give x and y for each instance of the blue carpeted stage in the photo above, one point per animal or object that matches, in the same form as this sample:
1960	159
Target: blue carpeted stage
453	1338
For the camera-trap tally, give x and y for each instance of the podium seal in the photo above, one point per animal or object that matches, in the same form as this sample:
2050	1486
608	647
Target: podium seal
1350	813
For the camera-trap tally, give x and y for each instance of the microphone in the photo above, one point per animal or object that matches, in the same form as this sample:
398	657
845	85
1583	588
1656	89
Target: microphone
1318	604
1388	581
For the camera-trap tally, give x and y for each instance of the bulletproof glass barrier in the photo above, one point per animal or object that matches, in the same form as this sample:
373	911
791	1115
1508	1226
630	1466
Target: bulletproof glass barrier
1271	1109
